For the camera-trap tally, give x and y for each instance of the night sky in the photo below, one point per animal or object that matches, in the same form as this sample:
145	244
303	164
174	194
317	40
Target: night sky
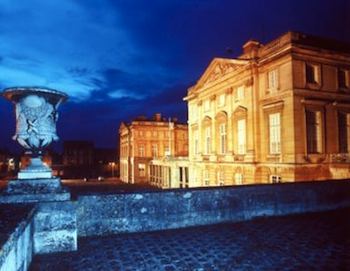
121	59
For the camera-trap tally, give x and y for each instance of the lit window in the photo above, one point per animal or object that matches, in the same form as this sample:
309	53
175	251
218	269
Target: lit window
142	170
240	93
343	81
223	138
154	150
207	140
154	133
206	177
238	178
272	80
221	178
196	142
275	179
344	132
142	150
275	133
193	112
206	105
222	100
312	73
241	136
314	131
166	150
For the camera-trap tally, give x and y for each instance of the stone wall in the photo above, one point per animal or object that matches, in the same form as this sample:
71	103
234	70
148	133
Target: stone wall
16	243
147	211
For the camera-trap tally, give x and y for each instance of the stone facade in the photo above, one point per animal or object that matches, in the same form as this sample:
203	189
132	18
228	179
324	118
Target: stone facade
143	140
279	112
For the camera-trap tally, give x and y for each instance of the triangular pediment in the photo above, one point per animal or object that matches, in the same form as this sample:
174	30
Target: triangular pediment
218	68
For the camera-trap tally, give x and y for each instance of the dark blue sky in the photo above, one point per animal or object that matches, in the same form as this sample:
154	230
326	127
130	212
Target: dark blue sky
121	59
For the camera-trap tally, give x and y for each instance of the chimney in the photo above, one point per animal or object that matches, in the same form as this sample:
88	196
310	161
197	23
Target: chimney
251	48
158	117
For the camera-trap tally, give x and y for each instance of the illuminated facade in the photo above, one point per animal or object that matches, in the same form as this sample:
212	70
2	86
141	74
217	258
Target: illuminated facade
143	140
279	112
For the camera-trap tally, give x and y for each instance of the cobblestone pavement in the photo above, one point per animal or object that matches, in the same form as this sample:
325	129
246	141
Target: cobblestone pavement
319	241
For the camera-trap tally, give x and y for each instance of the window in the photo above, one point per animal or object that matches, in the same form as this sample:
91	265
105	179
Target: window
238	178
154	150
221	178
312	73
166	150
142	169
207	140
154	133
206	177
314	131
275	133
142	150
221	100
240	93
241	136
344	132
275	179
223	138
196	142
193	113
272	80
206	105
343	79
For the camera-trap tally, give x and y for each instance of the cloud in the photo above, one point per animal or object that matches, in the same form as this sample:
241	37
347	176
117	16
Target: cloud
123	93
74	47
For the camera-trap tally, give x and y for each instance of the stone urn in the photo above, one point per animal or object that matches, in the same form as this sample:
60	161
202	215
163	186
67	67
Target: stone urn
36	117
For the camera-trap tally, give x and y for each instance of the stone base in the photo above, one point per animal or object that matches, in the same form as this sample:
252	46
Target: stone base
34	190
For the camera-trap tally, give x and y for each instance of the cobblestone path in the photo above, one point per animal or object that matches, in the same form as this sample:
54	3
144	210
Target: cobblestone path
319	241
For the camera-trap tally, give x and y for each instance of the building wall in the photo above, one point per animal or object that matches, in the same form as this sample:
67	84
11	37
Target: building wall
273	79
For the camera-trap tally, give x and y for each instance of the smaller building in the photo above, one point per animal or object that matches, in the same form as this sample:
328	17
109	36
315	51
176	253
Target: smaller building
144	139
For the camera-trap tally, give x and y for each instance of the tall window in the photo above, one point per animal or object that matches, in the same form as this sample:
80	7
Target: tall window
196	142
166	150
344	132
238	178
314	131
275	133
221	178
311	72
221	101
223	138
241	136
142	169
240	93
206	177
206	105
342	79
207	140
272	80
154	150
142	150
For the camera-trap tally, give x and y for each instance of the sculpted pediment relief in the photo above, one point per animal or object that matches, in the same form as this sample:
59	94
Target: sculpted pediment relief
218	68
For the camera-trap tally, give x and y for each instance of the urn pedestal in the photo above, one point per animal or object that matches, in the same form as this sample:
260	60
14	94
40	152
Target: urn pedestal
36	117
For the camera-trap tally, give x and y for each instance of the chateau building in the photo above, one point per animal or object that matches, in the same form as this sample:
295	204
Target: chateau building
144	140
279	112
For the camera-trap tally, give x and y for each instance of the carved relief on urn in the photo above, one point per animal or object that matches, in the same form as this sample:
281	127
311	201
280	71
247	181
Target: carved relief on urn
36	117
